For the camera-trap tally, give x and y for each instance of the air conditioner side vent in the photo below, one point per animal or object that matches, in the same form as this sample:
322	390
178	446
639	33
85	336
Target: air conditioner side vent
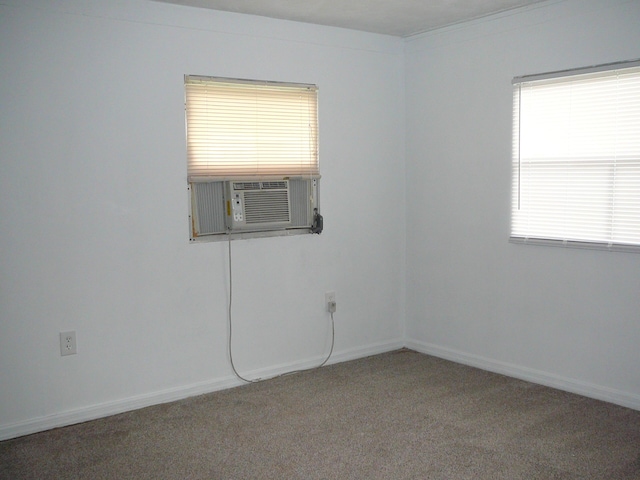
300	192
207	208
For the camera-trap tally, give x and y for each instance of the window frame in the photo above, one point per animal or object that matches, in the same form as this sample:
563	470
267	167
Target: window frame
243	122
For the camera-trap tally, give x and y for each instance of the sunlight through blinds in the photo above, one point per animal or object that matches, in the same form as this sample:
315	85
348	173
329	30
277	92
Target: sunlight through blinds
238	128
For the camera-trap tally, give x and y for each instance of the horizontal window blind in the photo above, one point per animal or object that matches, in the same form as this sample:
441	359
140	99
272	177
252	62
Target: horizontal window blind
576	159
239	128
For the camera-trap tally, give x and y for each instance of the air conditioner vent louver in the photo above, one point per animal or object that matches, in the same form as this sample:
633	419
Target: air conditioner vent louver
266	206
246	185
273	185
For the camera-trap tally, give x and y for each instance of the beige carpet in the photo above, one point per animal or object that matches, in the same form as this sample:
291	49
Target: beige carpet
401	415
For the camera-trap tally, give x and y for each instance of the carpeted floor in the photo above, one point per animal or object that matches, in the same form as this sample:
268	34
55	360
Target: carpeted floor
400	415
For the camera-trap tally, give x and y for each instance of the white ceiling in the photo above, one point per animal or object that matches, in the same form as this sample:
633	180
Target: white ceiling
391	17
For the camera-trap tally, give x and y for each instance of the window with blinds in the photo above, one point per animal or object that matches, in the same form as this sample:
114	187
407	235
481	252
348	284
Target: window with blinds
576	158
252	158
244	128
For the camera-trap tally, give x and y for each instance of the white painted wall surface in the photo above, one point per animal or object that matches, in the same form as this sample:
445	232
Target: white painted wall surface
93	208
93	205
569	318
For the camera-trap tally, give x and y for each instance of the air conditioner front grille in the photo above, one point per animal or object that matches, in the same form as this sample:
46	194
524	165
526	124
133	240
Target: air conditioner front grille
266	206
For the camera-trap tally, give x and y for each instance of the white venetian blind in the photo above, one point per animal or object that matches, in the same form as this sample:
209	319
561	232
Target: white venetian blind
239	128
576	159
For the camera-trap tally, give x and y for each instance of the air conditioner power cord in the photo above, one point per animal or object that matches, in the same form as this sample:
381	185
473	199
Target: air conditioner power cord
230	343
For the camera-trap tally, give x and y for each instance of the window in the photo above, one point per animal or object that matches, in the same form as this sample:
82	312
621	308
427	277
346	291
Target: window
252	156
576	158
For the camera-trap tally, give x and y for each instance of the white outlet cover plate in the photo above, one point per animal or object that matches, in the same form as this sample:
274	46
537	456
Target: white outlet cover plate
68	343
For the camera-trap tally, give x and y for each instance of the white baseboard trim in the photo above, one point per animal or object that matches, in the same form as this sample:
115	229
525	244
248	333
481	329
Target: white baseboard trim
106	409
336	357
367	351
585	389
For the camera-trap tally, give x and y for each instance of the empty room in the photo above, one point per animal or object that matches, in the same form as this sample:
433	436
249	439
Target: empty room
408	267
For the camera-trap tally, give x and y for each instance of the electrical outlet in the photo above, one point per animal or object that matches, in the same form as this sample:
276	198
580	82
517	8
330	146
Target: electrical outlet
68	343
330	301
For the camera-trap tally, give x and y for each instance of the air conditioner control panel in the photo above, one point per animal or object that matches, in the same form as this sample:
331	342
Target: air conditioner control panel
236	206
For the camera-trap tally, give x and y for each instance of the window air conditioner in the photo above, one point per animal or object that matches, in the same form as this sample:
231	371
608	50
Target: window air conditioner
258	205
252	206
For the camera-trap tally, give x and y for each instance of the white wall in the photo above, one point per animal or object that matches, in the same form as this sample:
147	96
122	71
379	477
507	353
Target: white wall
93	202
93	206
563	317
